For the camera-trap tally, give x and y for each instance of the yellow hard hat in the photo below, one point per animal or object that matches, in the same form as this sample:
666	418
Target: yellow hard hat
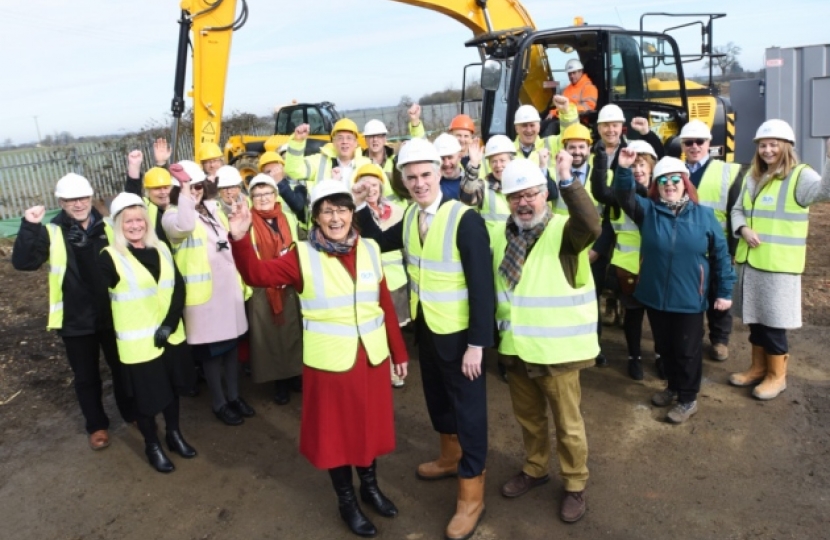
157	177
370	169
344	124
209	151
270	157
577	131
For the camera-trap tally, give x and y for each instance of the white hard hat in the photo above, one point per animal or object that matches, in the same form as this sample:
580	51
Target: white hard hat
193	170
260	180
775	129
669	165
642	147
695	129
521	174
447	145
374	127
326	188
73	186
417	151
525	114
228	176
573	65
610	113
125	200
499	144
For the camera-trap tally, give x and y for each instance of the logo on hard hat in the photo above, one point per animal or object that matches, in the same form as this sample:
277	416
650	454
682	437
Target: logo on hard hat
521	180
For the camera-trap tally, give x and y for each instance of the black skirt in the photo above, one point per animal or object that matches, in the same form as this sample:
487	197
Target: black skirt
153	384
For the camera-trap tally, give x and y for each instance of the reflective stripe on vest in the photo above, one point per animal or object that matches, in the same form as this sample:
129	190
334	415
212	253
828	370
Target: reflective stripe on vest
713	190
544	320
494	208
626	253
435	271
192	259
57	272
338	311
140	304
781	224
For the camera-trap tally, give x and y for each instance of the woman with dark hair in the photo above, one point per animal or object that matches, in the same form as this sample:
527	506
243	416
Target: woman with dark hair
770	218
681	243
350	330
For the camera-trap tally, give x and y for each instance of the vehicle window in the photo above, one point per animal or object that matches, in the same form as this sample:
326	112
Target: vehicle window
558	56
315	121
643	68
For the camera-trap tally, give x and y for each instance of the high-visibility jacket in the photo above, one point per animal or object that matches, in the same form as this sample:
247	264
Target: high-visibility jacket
627	248
494	208
140	304
436	275
713	190
544	320
583	93
339	311
562	209
58	263
311	169
394	269
191	257
781	224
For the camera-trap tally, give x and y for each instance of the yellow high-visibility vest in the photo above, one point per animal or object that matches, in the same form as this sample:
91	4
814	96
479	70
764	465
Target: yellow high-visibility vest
713	190
140	304
338	311
562	209
494	208
544	320
627	248
781	224
436	275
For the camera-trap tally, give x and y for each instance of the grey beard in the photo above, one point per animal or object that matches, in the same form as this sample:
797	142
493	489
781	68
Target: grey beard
537	219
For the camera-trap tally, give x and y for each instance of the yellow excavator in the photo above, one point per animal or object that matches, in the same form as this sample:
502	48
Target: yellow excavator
640	71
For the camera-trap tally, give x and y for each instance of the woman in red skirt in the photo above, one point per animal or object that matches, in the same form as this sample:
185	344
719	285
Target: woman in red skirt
349	333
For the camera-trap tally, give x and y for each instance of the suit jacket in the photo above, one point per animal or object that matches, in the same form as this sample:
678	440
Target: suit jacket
473	245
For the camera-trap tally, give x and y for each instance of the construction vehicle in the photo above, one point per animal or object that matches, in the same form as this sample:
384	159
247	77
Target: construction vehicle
640	71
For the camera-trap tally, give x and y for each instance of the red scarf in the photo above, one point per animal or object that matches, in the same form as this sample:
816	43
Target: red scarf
270	246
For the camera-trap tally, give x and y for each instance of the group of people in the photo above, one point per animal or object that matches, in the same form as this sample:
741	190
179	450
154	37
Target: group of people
321	259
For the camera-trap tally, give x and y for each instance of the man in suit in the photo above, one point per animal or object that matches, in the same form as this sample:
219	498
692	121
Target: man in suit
453	305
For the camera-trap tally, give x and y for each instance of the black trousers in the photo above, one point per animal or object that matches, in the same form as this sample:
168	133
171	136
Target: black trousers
83	353
456	405
720	322
773	340
678	338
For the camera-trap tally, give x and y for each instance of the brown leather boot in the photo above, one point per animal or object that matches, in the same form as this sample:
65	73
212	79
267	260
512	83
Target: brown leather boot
776	380
756	372
447	463
469	509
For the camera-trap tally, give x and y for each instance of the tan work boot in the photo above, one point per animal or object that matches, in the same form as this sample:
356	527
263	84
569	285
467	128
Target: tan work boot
719	352
776	380
756	371
447	463
468	510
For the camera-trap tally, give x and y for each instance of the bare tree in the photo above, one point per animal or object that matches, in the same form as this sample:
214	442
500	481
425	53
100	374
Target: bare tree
725	58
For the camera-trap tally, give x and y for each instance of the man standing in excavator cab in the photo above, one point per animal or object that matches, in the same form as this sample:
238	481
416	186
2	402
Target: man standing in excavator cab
581	92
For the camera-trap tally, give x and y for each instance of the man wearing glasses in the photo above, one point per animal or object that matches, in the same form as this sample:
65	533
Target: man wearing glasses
547	317
716	188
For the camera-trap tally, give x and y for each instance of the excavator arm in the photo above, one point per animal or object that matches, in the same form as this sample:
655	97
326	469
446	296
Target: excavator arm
480	16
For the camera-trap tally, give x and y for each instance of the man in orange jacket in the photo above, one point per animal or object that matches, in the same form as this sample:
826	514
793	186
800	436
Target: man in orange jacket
581	92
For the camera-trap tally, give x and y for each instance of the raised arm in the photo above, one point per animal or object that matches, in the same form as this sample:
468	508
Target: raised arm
295	163
31	247
624	187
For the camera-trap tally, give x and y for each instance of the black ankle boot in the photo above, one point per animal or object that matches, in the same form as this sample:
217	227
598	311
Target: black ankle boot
158	459
370	492
359	524
282	394
176	443
635	368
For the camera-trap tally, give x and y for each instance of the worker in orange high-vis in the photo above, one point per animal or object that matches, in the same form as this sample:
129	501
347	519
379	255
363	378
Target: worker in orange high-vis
581	92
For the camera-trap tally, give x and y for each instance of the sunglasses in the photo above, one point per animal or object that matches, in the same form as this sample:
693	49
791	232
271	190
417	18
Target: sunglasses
197	187
674	179
690	142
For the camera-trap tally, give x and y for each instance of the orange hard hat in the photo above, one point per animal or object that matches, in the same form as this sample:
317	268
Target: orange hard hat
462	121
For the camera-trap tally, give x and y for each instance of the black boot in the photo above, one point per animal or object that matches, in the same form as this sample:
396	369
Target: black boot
282	394
635	368
296	384
341	479
158	459
660	366
176	443
370	492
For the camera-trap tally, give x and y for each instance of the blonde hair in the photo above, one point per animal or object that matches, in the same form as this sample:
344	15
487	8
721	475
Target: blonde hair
120	242
787	160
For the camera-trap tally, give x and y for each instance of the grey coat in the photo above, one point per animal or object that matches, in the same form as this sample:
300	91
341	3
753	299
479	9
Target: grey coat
770	298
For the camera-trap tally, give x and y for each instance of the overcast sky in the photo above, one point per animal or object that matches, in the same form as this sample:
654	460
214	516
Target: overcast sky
92	67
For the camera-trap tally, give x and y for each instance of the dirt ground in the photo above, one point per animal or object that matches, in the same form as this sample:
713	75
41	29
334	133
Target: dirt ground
740	469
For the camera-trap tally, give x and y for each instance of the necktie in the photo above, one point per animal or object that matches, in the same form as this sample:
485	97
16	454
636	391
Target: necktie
422	225
576	175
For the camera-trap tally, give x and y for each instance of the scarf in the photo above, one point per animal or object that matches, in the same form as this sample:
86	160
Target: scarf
270	245
677	205
319	242
519	242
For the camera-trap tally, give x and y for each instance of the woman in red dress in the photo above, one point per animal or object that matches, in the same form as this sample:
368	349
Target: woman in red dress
349	331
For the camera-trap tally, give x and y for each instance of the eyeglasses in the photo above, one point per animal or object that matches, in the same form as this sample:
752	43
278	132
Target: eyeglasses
263	195
197	187
341	211
674	179
515	198
690	142
77	201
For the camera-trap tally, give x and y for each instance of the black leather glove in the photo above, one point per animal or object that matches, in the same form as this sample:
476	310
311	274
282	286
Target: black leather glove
76	235
161	335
